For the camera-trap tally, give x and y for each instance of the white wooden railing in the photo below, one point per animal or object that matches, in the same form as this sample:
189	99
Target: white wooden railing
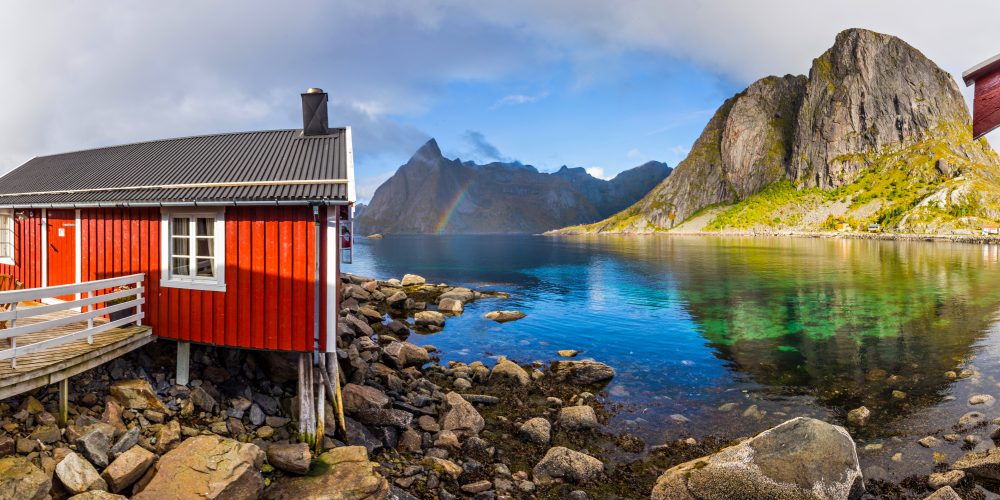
90	294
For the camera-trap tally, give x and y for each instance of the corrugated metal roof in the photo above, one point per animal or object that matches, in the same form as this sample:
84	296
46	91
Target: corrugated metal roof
250	166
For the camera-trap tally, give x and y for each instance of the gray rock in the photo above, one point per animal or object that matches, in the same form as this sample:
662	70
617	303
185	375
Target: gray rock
362	397
94	445
577	417
78	475
982	464
202	399
567	465
461	416
800	458
256	415
450	305
294	458
128	440
536	430
383	417
207	467
941	479
404	354
412	279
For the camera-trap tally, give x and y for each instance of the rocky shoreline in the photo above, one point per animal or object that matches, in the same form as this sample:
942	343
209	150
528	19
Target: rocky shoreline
414	428
953	238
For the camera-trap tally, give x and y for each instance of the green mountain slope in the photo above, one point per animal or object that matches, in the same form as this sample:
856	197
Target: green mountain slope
876	133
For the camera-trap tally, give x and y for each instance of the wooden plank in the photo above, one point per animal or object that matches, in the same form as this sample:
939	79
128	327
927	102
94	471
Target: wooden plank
80	365
27	312
65	357
64	339
271	271
32	294
257	280
285	276
301	323
232	276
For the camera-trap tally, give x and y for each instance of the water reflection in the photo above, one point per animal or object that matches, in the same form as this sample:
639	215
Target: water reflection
692	323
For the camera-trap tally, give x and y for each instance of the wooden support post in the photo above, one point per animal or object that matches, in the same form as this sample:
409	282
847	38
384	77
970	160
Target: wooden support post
307	415
63	402
320	414
183	362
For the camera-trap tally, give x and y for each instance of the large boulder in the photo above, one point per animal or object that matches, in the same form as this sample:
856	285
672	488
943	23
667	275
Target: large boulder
207	467
78	475
458	293
802	458
581	372
450	305
577	417
137	394
345	474
404	354
561	463
21	480
461	417
508	372
128	468
537	430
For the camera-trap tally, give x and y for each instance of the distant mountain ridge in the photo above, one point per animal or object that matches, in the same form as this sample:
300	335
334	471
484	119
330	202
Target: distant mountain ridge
876	133
433	194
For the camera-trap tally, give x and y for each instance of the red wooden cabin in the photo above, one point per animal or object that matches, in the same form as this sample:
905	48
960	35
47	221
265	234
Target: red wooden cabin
236	233
986	103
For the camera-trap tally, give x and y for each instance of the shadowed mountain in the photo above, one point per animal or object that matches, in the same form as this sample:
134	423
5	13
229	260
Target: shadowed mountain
433	194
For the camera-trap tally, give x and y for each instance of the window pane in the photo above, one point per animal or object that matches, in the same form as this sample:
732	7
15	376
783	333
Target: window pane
180	267
181	226
206	267
206	247
6	236
206	226
181	246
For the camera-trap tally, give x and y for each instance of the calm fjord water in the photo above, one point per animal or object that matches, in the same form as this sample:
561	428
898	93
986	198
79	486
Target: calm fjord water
794	326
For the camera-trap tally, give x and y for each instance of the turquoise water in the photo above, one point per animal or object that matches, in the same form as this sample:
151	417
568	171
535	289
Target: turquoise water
794	326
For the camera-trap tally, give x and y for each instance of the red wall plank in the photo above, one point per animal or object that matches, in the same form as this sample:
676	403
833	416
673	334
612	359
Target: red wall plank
986	104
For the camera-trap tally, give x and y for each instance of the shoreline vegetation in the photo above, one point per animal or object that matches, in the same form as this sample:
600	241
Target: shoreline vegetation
415	428
954	238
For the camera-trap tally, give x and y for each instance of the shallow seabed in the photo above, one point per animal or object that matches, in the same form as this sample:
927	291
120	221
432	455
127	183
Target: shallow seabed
728	336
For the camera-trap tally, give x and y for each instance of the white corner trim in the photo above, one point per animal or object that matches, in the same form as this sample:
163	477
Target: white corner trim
45	248
332	277
78	244
352	194
8	261
216	284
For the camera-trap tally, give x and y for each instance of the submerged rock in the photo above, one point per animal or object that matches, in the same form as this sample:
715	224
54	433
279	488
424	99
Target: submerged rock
581	372
429	318
982	464
505	316
801	458
207	467
859	416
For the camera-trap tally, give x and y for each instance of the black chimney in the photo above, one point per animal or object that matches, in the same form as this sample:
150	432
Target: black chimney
314	119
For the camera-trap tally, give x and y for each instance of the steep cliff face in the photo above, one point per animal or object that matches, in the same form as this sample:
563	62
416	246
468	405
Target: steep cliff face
868	93
432	194
743	148
876	133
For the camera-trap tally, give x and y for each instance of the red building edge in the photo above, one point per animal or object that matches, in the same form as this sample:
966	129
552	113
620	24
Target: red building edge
986	100
279	287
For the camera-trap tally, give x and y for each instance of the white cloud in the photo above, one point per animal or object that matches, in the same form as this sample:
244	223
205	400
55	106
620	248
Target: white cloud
516	99
598	172
634	154
95	73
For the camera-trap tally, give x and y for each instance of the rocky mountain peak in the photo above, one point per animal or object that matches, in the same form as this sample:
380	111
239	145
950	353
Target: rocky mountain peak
429	151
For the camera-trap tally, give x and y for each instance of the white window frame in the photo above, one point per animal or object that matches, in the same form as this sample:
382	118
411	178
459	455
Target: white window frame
216	283
9	213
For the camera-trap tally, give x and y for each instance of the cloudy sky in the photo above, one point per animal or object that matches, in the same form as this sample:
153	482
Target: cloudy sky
597	84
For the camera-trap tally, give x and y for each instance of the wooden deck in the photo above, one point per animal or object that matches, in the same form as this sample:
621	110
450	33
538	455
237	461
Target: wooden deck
60	362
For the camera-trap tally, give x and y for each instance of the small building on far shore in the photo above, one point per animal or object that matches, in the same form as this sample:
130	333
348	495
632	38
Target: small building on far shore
990	230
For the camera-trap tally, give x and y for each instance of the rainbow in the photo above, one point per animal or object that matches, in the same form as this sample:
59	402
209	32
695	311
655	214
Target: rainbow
450	209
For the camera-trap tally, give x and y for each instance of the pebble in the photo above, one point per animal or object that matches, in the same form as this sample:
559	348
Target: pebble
929	442
897	394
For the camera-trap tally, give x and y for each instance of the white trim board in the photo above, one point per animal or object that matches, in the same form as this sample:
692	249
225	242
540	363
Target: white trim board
216	284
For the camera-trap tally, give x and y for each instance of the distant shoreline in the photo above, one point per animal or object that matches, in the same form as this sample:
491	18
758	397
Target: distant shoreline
954	238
